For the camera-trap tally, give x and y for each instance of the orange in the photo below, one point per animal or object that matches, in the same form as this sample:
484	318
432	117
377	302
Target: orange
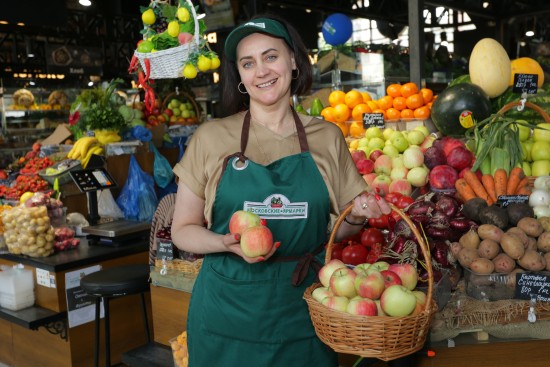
422	113
373	105
366	97
356	129
407	114
385	102
414	101
359	110
394	90
336	97
341	113
427	94
344	127
328	114
393	113
379	110
408	89
353	98
399	103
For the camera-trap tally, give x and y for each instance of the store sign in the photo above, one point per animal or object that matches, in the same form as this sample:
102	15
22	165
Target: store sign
74	60
533	286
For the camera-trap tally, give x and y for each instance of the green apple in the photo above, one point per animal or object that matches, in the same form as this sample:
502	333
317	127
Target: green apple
363	142
373	132
541	168
542	132
376	143
415	137
399	141
524	131
540	150
528	146
423	129
391	151
387	133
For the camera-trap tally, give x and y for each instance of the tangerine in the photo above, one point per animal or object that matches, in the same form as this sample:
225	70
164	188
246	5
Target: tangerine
353	98
341	113
422	113
328	114
427	94
356	129
366	97
408	89
414	101
336	97
359	110
385	102
393	114
407	114
400	103
394	90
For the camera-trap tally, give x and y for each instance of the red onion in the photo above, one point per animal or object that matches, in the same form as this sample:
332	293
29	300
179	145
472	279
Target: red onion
447	205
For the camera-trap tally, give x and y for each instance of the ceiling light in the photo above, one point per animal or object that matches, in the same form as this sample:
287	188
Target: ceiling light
85	2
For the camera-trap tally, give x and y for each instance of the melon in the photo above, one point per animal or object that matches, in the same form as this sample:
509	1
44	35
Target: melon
489	67
526	65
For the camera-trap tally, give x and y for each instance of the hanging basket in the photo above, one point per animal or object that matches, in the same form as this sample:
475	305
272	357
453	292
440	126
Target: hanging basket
169	63
381	337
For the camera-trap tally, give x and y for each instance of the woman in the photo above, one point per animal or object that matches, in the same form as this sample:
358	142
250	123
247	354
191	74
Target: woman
250	311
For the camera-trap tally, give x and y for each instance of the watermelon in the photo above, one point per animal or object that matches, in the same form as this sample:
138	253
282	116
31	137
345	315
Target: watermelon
458	107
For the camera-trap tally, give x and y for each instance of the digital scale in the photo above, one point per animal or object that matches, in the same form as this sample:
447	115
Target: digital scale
113	233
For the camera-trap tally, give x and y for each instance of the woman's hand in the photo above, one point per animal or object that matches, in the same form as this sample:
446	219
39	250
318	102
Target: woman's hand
232	242
366	206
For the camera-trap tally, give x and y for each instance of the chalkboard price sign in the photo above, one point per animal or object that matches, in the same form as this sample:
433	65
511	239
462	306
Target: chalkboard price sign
525	83
533	286
165	251
373	119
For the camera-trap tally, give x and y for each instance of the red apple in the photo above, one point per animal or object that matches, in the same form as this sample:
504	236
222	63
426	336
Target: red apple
338	303
390	278
397	301
407	273
326	271
420	302
342	282
320	293
370	286
362	306
256	241
443	177
241	220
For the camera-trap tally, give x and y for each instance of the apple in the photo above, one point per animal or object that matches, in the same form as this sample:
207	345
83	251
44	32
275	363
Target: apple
413	157
540	168
379	308
401	186
256	241
399	173
407	273
390	278
242	220
362	306
362	268
381	184
338	303
421	299
418	176
326	271
370	286
397	301
415	137
342	282
320	293
390	150
382	165
380	265
373	132
374	154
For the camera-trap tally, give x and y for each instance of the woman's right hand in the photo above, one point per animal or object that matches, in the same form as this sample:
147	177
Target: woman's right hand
233	244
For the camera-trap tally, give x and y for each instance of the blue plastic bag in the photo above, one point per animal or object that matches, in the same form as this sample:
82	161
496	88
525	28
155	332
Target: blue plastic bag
138	199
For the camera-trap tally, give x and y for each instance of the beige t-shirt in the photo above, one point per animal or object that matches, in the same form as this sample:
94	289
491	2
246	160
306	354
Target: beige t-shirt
202	162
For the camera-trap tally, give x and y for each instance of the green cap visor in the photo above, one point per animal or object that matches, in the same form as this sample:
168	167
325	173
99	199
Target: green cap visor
261	25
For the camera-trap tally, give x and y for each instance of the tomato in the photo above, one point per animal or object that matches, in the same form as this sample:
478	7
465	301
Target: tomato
404	201
393	197
372	236
354	254
380	222
337	249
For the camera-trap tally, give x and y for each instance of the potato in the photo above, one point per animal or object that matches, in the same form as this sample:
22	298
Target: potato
511	281
489	231
543	242
530	226
466	256
488	249
522	235
470	239
511	244
532	260
504	263
482	266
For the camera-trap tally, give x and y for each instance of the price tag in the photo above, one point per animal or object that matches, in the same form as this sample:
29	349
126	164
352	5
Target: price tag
373	119
533	286
525	83
505	200
165	250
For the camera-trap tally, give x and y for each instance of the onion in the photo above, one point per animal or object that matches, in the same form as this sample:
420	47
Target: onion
542	182
541	211
447	205
539	197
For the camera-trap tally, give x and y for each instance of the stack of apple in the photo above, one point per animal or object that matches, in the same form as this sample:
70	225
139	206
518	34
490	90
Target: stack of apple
378	289
391	160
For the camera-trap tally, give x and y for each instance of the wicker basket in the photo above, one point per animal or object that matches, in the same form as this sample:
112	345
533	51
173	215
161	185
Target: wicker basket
381	337
168	64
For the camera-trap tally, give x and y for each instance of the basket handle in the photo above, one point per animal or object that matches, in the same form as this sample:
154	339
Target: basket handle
423	247
509	106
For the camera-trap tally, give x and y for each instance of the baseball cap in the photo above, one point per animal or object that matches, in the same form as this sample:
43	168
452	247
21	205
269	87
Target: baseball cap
259	25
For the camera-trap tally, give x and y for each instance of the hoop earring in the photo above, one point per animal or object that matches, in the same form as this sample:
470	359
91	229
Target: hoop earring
239	88
297	74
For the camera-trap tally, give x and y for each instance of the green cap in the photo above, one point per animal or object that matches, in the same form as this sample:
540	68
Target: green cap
261	25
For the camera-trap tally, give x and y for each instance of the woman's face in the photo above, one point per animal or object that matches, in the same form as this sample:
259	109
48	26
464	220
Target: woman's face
265	65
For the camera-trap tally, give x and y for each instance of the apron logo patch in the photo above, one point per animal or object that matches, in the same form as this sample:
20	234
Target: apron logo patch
277	206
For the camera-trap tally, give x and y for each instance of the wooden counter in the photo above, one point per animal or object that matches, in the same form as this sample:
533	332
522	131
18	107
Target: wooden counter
40	335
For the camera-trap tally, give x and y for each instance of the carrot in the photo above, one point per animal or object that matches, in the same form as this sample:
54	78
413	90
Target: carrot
524	182
501	181
516	175
464	190
489	183
476	185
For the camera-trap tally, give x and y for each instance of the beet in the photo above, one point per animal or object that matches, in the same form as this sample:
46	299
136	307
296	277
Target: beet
433	156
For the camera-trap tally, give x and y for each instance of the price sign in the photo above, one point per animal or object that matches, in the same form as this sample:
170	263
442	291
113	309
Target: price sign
505	200
373	119
533	286
525	83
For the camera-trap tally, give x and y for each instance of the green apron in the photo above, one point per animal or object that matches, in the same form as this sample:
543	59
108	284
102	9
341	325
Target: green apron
244	314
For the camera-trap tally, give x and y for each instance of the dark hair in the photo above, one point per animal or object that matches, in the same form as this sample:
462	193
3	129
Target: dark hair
233	101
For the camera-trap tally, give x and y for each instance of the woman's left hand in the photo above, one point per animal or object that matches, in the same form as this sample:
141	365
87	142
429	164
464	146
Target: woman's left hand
366	206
